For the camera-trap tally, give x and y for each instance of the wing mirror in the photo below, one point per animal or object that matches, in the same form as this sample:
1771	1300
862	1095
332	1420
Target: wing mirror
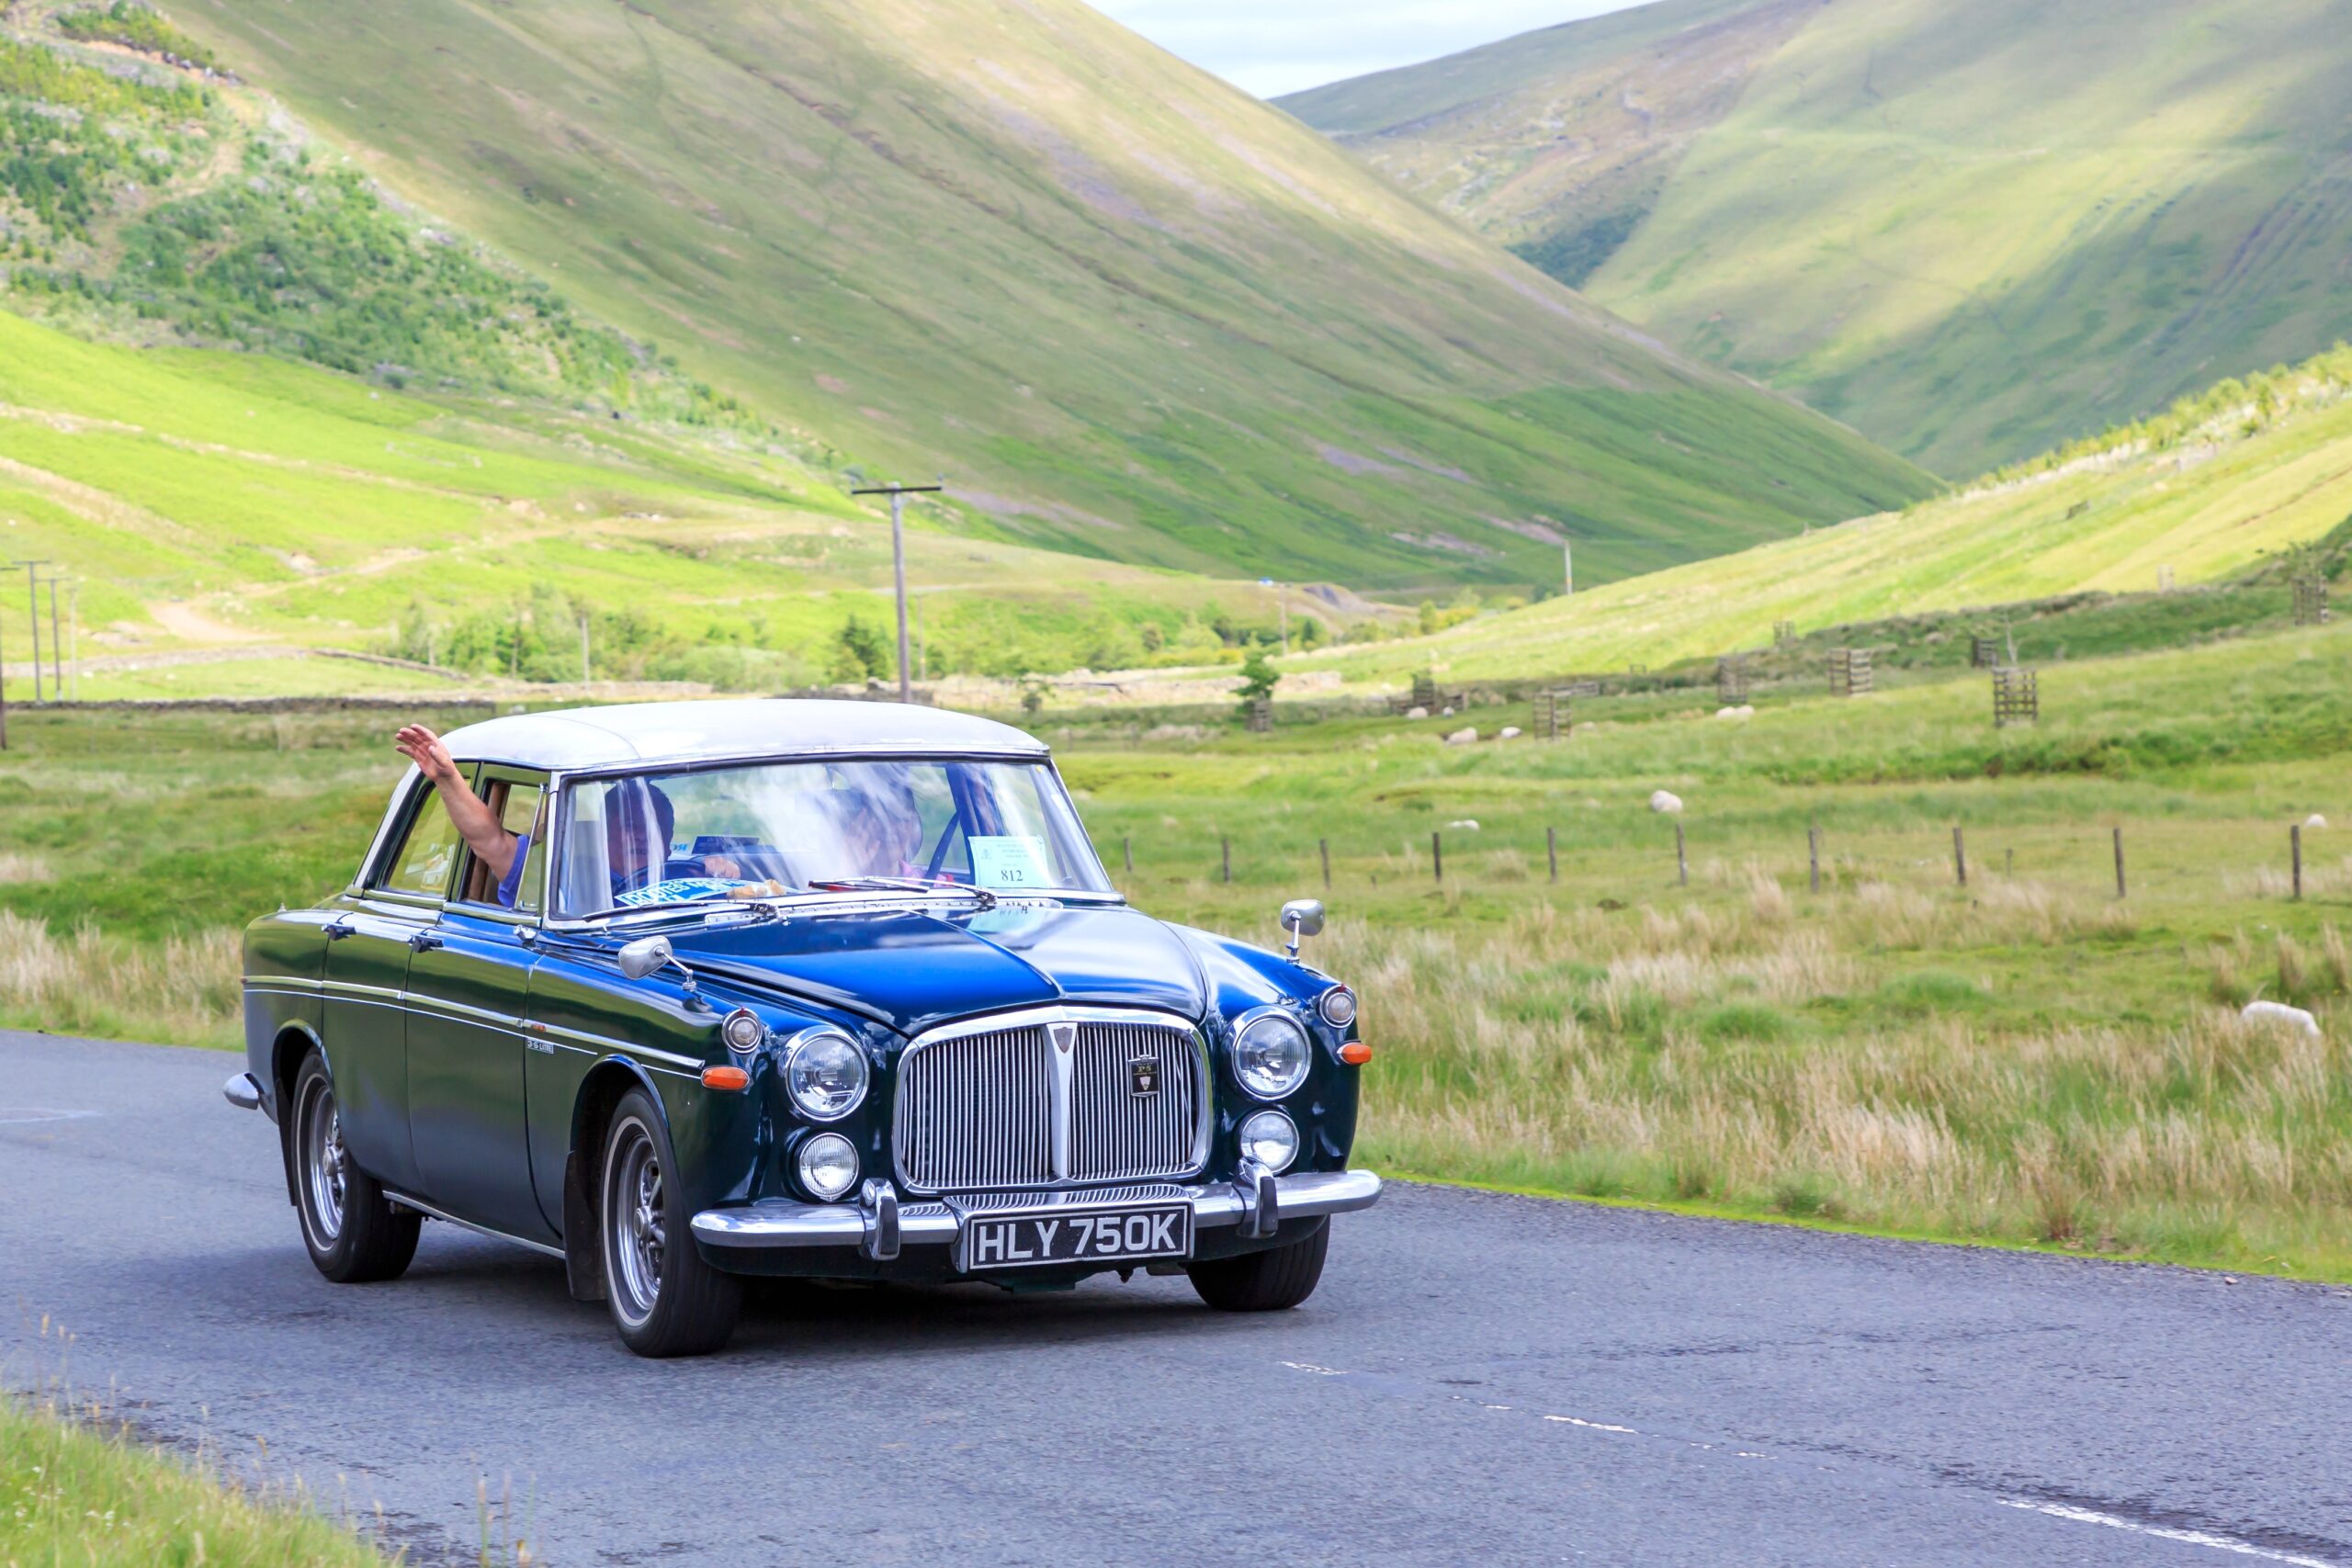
1302	918
646	955
649	955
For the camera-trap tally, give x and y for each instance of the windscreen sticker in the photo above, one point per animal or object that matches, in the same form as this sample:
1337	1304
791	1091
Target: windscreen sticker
680	889
1016	859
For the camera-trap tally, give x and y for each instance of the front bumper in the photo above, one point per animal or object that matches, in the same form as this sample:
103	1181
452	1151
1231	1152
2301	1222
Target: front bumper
879	1226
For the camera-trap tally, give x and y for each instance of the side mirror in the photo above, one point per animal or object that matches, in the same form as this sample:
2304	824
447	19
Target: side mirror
1302	918
645	955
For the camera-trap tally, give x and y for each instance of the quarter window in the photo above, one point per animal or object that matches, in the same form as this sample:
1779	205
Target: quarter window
429	853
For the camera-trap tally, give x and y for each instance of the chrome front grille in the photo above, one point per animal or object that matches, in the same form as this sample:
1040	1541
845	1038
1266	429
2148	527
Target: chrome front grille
975	1112
1047	1099
1117	1134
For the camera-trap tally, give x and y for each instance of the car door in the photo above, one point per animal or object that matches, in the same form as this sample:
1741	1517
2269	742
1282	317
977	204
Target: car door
371	937
466	989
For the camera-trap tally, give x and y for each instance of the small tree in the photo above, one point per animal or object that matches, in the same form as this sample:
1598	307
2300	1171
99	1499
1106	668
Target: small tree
1032	697
1257	678
859	653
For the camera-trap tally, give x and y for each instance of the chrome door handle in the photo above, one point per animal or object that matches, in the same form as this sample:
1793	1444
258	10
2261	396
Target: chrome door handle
424	941
336	929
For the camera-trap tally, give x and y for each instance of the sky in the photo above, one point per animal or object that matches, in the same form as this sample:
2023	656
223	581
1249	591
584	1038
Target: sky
1272	47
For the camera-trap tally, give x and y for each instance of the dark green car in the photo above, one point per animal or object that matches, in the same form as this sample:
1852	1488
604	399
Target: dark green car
829	989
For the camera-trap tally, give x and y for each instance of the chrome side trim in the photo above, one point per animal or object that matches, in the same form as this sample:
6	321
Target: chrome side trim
780	1222
242	1092
405	1201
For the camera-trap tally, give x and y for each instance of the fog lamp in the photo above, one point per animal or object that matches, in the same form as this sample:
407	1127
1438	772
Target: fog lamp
827	1166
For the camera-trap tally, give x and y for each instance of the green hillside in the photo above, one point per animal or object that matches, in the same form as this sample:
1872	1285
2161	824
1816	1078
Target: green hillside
217	508
2246	470
1134	314
1972	229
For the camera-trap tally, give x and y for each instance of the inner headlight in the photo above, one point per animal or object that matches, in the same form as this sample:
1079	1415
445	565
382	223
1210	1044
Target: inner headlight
825	1074
1270	1055
1271	1139
827	1166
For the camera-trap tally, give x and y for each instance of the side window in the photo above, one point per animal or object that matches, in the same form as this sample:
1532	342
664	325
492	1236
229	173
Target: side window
517	804
426	857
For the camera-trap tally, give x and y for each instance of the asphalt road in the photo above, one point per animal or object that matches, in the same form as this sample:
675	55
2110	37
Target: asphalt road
1481	1379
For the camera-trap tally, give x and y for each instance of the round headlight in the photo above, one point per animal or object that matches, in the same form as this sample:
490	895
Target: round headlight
742	1031
1337	1007
827	1166
1271	1139
825	1074
1270	1055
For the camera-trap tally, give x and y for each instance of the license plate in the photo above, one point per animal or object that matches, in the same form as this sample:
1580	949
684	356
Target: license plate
1109	1237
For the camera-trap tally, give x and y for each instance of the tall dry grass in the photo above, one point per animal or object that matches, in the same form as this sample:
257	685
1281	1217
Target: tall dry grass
182	990
1747	1056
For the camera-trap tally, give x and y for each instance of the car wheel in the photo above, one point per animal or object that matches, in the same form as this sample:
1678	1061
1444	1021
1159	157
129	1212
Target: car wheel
355	1234
665	1300
1272	1280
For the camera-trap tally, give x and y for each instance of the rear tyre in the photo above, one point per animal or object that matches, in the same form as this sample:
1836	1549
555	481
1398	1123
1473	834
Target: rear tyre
1273	1280
354	1233
665	1300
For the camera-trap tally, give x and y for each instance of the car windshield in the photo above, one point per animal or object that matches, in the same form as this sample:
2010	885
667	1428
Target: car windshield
772	829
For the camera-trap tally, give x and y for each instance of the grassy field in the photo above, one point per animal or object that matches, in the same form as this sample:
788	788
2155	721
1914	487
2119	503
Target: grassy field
1970	228
1133	312
75	1488
2029	1060
210	502
2240	480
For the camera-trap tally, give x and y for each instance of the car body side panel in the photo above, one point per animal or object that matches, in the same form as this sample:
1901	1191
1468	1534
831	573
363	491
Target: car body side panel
582	1011
366	1033
466	1075
285	954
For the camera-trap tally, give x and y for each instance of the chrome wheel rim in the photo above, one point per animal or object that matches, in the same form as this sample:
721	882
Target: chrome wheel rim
636	1233
326	1165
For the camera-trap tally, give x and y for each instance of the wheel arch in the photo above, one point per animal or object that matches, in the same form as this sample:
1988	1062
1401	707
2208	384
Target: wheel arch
295	1040
591	1115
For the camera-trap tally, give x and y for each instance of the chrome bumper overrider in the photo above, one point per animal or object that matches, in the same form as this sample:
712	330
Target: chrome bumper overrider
242	1092
878	1223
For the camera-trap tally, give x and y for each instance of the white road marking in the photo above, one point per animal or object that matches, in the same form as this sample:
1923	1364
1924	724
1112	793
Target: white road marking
1311	1367
1593	1426
2193	1538
25	1115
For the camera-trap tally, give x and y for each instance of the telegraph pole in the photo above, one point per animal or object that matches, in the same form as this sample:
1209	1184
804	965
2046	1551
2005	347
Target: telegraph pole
32	615
897	494
56	648
1569	569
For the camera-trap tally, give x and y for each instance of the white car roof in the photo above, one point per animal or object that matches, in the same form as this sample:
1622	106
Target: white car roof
571	740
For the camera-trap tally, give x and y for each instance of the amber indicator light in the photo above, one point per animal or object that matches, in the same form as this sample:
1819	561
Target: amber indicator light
1355	1053
725	1077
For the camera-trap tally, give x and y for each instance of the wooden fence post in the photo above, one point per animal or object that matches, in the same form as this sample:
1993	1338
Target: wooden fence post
1128	852
1960	856
2119	890
2295	839
1552	850
1682	859
1437	858
1323	848
1225	855
1812	854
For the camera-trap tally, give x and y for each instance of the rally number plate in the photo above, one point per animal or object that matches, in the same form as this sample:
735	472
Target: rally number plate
1111	1236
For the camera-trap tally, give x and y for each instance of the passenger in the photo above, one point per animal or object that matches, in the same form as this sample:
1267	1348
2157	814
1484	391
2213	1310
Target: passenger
629	848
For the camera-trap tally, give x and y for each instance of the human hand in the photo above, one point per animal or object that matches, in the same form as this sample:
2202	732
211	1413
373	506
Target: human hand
424	748
720	865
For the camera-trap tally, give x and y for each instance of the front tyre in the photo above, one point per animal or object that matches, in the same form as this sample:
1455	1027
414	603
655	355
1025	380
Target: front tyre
355	1234
665	1300
1273	1280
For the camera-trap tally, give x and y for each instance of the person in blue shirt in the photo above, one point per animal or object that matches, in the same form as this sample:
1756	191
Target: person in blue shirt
630	852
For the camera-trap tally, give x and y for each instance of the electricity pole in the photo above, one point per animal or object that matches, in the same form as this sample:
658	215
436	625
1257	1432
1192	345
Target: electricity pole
32	615
1568	569
56	648
897	494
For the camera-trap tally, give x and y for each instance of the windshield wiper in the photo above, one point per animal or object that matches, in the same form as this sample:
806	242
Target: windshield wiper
984	895
711	898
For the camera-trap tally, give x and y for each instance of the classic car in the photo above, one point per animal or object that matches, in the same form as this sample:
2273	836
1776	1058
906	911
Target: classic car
832	990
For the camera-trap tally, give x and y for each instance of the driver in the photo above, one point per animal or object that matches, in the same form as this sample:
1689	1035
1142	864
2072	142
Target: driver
629	849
